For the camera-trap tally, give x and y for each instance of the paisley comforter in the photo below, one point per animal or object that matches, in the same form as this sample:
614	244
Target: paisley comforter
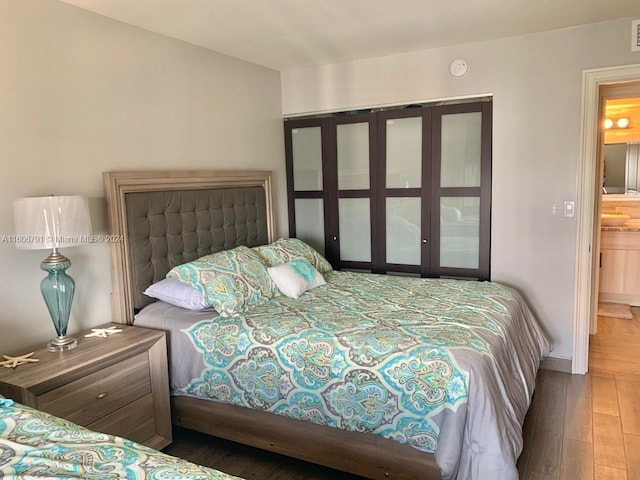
447	366
34	444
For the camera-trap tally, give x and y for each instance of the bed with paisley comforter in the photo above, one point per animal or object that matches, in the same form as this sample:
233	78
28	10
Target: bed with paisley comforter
378	375
446	366
34	444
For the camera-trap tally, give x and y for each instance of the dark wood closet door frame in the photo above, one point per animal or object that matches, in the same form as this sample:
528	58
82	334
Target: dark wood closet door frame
483	272
382	193
327	178
336	194
430	190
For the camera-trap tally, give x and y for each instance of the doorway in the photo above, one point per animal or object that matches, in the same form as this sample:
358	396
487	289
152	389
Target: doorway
616	330
589	198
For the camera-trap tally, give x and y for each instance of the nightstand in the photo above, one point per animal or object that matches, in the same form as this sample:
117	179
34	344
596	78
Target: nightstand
116	385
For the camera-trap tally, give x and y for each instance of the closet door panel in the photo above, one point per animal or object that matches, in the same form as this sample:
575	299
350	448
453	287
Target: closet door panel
355	229
310	222
403	230
306	147
459	232
400	189
461	138
403	152
307	158
461	190
353	156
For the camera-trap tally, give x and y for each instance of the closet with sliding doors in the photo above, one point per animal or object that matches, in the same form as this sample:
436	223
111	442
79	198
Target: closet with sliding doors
396	190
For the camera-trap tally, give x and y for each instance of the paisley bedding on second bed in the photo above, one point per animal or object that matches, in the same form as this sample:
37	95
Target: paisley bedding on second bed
34	444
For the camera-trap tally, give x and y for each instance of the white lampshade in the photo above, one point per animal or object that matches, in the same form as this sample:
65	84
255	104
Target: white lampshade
51	222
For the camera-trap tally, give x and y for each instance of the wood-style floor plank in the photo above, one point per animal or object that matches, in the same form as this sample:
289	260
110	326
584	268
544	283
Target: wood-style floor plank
608	444
546	453
605	396
577	460
539	476
632	450
599	363
629	395
578	416
616	346
553	395
611	326
608	473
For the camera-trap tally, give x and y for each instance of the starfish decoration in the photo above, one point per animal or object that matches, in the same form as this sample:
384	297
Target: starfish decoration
103	332
13	362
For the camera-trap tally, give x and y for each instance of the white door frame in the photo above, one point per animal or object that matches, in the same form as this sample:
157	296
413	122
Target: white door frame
584	313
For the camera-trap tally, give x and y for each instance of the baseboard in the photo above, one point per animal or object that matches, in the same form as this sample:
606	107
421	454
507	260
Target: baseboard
556	364
633	300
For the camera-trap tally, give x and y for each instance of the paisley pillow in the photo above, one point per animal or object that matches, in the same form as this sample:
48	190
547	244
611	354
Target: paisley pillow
295	277
287	249
231	280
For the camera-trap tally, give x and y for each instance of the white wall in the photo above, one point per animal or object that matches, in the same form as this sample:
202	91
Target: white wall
81	94
536	81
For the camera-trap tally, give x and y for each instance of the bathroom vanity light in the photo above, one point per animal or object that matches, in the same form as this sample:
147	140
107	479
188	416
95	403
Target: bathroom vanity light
622	122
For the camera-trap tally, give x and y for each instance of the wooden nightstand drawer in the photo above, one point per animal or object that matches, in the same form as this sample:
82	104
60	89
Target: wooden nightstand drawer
92	397
136	422
117	385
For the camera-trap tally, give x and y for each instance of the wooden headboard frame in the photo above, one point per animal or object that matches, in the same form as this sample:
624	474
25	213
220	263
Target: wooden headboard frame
118	184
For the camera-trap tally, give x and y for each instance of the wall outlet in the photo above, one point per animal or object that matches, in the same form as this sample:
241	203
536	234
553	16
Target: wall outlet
635	36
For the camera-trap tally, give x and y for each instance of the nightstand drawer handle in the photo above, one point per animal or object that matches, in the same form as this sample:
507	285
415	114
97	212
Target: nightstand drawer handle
102	395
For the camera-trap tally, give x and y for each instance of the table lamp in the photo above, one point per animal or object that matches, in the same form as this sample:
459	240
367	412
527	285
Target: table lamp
54	222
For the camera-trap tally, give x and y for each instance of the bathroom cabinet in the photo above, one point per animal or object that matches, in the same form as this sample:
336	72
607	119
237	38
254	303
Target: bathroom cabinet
620	266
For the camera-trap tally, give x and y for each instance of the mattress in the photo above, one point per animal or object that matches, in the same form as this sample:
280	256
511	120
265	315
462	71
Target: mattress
34	444
447	366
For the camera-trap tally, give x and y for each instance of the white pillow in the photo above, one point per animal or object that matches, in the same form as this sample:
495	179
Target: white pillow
180	294
295	277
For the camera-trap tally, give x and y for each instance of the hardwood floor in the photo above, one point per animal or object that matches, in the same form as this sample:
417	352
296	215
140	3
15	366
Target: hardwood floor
577	428
588	427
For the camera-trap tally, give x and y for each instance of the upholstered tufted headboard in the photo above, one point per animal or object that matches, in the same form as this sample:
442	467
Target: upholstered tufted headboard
168	218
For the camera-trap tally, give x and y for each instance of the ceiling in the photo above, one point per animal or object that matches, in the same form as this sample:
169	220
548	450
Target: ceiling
285	34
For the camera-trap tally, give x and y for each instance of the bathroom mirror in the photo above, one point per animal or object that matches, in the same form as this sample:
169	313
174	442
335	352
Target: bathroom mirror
621	168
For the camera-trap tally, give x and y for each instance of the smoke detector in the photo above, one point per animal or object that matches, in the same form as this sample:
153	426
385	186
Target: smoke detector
459	67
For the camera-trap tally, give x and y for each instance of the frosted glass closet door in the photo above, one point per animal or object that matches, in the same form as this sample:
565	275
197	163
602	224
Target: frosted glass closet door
310	222
353	174
355	229
460	168
306	151
307	158
403	171
353	156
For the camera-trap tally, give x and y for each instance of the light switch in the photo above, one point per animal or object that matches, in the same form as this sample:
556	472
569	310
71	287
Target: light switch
569	208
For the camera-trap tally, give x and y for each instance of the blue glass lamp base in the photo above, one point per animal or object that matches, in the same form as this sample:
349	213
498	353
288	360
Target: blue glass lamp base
57	289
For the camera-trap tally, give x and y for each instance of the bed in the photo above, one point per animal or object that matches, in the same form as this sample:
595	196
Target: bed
456	360
34	444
